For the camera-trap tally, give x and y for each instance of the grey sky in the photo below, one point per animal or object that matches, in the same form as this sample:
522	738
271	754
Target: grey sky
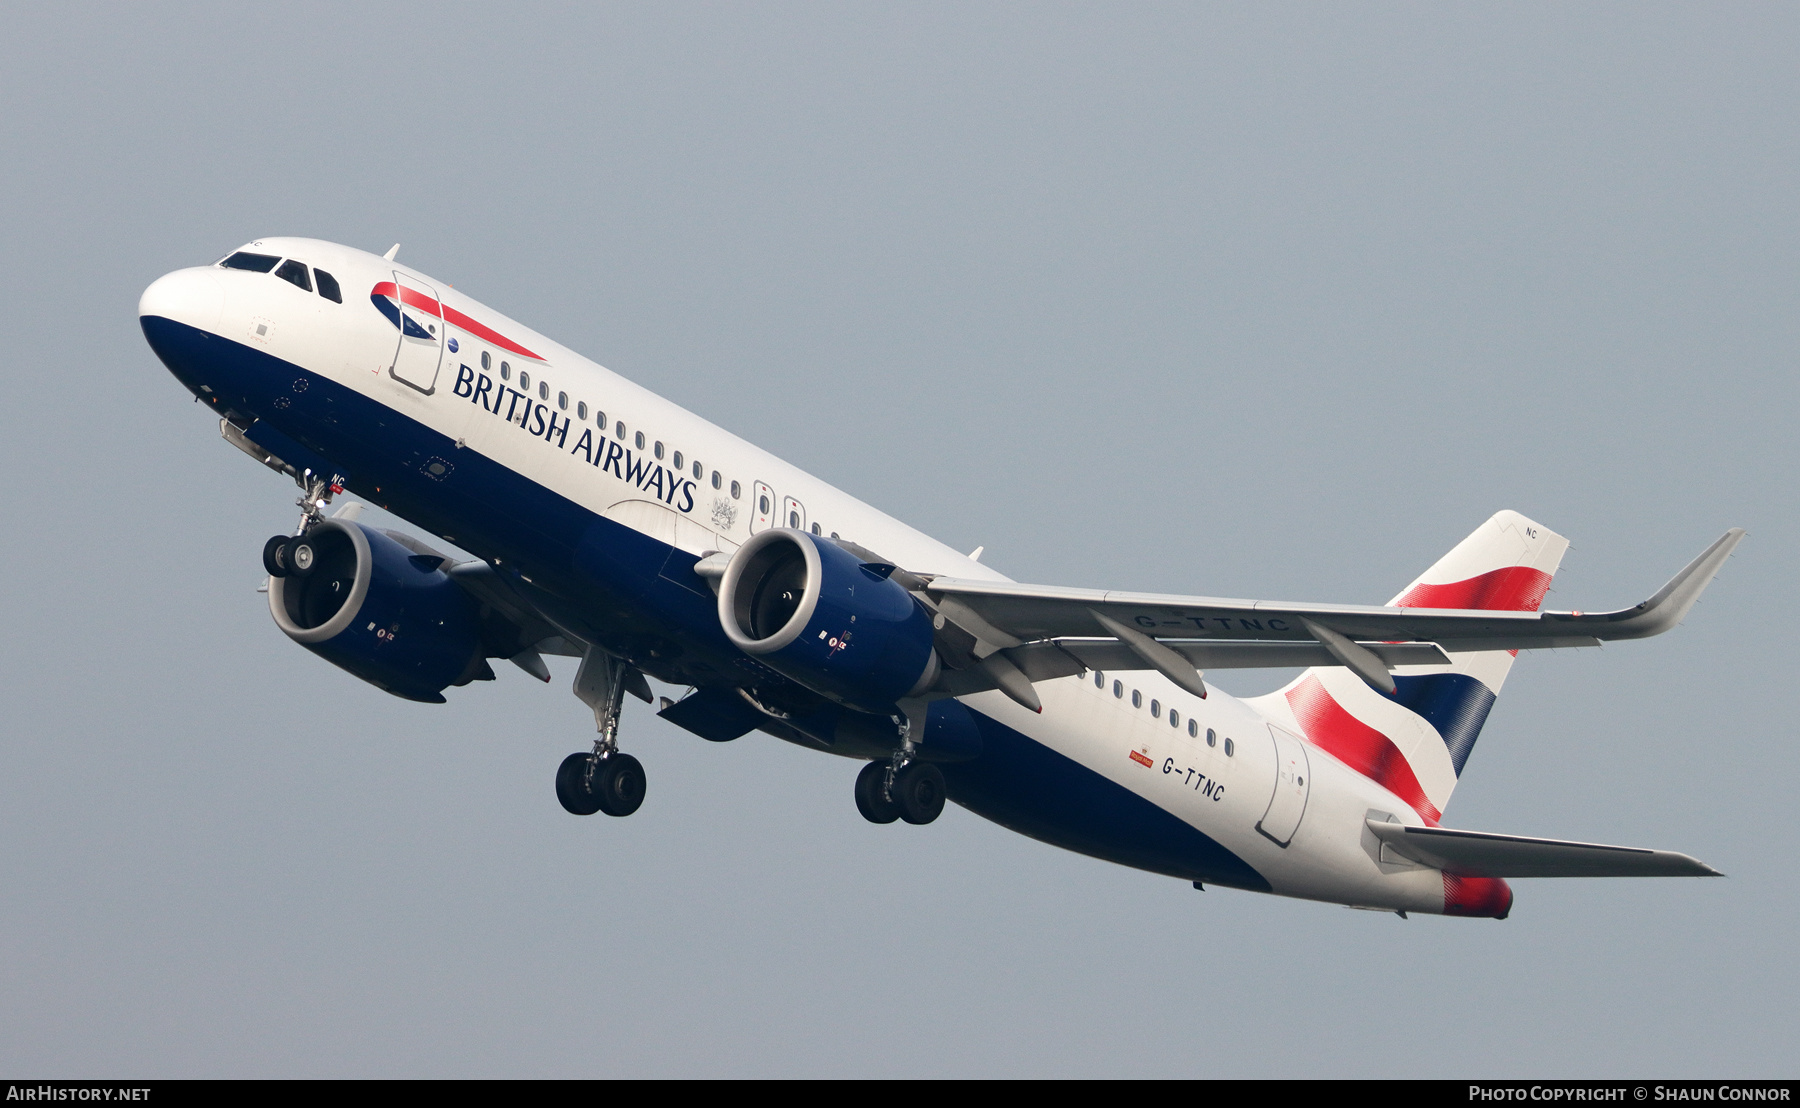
1269	301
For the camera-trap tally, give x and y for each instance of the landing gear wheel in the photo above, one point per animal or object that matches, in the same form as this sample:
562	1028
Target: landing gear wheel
619	784
300	556
874	807
919	792
272	556
572	788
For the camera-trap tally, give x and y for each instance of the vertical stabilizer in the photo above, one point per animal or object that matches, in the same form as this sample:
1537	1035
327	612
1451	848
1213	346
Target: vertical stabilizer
1416	742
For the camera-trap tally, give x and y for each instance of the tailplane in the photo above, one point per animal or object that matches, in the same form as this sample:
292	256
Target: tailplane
1416	742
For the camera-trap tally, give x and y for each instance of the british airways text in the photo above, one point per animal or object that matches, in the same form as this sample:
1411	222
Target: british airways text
542	421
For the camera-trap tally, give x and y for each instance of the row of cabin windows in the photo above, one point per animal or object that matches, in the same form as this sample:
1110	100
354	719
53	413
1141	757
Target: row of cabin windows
1156	711
293	271
679	462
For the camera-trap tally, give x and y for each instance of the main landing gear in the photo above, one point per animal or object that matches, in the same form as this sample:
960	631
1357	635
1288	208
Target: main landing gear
603	780
611	783
901	787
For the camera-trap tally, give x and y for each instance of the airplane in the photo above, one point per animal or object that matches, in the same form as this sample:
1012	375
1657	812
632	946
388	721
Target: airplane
610	525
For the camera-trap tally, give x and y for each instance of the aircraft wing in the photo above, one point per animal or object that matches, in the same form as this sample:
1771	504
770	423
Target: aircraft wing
1013	634
1008	614
1478	854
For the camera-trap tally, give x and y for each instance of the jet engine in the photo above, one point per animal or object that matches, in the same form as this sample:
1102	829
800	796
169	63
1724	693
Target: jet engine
389	615
814	612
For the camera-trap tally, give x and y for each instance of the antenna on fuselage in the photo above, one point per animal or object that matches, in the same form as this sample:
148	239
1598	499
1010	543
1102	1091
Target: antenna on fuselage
392	250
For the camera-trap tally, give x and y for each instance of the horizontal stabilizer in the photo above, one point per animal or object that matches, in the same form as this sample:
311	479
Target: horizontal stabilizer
1478	854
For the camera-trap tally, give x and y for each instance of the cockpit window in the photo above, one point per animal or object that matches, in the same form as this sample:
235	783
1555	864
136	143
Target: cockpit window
328	286
256	263
294	273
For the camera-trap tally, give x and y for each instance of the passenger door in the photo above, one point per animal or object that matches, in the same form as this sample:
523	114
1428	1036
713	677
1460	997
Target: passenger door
421	334
1293	775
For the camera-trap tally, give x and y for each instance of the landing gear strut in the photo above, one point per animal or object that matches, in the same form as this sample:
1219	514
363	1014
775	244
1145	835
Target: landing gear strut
903	787
603	780
292	555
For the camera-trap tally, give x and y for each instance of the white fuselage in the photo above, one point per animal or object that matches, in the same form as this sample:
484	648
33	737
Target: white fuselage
1329	855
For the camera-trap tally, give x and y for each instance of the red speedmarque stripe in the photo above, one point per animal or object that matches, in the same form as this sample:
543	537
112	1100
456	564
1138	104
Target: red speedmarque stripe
450	315
1351	741
1513	589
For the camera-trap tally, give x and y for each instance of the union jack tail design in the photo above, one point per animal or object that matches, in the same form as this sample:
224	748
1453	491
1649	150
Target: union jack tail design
1416	742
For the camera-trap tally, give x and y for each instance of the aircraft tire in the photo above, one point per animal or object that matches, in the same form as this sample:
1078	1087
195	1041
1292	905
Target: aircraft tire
619	785
571	789
272	556
869	801
919	792
300	556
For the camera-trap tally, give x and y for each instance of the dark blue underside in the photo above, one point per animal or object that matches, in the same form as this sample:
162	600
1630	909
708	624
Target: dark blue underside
641	599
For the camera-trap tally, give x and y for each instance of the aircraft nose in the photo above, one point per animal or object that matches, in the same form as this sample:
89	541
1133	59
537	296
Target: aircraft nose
191	296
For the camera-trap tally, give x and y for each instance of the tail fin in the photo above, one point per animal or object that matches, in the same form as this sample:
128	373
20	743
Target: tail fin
1415	743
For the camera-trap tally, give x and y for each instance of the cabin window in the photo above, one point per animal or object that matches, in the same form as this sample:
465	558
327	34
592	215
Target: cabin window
678	462
562	401
717	480
834	534
328	286
762	506
619	430
524	381
294	273
794	520
255	263
698	471
1137	699
659	451
816	530
600	418
1174	718
487	360
1099	680
505	371
737	491
1118	688
543	390
1230	748
1156	709
581	409
640	440
1193	729
1212	737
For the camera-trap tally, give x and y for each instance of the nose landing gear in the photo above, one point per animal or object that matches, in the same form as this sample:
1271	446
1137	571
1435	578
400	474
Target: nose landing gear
292	555
288	556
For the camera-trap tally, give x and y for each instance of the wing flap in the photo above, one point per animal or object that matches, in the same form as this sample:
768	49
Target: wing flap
1479	854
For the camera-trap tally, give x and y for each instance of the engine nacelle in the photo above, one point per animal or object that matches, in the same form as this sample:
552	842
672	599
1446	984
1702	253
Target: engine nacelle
390	616
815	613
